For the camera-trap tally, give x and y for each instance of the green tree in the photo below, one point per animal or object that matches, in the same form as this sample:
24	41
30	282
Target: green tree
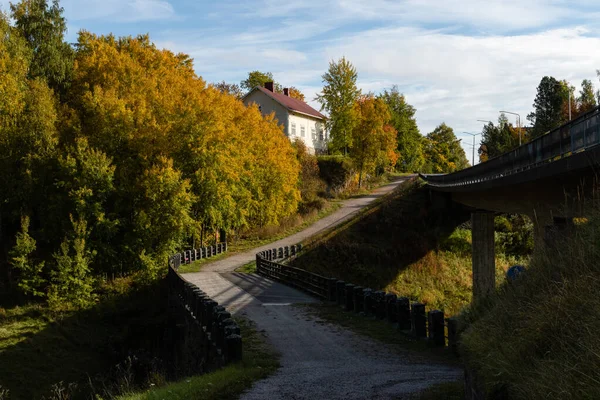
550	106
229	88
72	284
443	153
497	139
258	78
31	279
374	140
410	140
43	27
587	98
338	97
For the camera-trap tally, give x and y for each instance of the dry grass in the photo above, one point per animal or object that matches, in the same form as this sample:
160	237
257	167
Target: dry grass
538	337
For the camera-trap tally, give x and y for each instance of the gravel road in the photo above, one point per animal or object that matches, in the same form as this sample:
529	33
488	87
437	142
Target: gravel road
318	360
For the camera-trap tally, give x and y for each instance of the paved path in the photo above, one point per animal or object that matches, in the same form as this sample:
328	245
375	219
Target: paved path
346	211
318	360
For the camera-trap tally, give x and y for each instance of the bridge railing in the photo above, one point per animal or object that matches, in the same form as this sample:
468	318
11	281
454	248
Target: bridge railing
207	336
189	256
578	135
409	317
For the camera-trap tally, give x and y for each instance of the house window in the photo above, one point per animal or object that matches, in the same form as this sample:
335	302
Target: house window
293	129
313	132
321	135
302	131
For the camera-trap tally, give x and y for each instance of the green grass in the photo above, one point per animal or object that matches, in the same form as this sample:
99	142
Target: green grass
259	361
249	268
404	246
537	338
39	349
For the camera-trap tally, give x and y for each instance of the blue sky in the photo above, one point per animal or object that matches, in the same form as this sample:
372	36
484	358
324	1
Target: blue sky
455	60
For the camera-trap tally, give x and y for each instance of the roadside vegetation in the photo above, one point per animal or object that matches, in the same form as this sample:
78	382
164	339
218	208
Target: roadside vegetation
228	383
405	246
536	337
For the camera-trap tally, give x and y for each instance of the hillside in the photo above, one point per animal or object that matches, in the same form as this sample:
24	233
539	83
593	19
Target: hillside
537	338
407	247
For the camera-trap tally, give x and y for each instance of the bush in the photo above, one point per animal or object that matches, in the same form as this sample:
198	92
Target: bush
310	182
337	172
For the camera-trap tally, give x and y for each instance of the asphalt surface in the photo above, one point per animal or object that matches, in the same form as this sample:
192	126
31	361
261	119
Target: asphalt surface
318	360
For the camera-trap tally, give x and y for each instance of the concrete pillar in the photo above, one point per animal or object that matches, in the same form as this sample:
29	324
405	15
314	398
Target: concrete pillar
484	264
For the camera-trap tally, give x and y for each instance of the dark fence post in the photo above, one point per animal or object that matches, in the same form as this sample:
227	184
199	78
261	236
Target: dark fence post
419	320
380	304
339	292
390	307
359	298
332	289
368	302
453	335
403	313
349	297
233	348
436	328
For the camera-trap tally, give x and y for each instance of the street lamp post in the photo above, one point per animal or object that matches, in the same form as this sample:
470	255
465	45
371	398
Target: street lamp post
518	122
473	153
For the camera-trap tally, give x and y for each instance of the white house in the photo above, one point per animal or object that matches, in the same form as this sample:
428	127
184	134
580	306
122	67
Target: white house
299	120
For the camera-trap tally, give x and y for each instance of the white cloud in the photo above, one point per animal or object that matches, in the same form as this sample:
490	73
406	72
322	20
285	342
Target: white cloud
457	78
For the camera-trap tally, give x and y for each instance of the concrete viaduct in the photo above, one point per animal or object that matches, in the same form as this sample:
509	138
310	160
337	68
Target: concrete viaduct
545	179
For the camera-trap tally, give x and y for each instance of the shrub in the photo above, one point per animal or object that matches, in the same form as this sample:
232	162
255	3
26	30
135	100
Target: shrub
337	172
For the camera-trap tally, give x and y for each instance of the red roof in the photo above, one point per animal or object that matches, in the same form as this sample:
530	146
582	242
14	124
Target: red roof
291	103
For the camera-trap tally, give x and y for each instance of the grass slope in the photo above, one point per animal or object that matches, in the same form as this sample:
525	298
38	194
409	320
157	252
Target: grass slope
258	362
404	246
39	349
537	338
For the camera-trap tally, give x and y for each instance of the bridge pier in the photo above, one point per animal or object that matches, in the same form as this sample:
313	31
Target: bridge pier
484	262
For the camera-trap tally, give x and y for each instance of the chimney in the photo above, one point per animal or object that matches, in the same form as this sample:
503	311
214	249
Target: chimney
286	91
269	86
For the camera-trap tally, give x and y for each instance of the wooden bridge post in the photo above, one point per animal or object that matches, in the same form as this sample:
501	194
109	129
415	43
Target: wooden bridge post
484	263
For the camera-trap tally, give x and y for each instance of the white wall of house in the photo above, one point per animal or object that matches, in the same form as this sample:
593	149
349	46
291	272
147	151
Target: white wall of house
310	130
267	106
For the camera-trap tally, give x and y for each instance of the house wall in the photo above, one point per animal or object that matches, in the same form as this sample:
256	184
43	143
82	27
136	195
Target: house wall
314	142
267	106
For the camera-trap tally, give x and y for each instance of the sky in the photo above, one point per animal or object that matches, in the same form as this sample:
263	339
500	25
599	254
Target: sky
456	61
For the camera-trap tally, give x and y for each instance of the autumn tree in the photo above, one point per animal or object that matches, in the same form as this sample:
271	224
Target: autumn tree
338	98
410	140
43	27
373	139
296	93
443	153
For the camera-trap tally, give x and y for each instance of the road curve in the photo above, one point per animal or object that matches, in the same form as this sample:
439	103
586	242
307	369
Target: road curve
346	211
318	360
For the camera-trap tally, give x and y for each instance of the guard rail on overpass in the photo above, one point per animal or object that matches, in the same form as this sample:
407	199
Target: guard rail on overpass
581	134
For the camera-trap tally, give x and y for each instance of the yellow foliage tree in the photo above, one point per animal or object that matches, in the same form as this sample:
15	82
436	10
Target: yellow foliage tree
373	139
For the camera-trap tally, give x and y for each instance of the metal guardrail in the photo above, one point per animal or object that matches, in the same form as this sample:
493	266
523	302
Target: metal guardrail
583	133
411	318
